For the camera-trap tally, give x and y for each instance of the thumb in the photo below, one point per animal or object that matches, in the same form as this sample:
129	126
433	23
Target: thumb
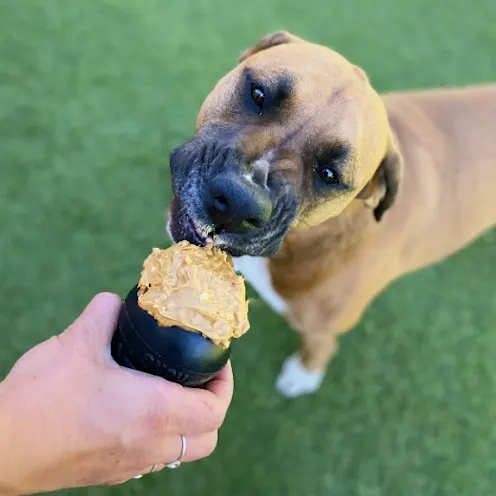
97	323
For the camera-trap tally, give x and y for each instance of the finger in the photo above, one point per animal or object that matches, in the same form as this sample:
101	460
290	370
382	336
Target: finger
174	409
197	447
212	401
168	452
222	385
97	323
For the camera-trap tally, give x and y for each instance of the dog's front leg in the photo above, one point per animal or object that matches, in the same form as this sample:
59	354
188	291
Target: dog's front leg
319	327
303	372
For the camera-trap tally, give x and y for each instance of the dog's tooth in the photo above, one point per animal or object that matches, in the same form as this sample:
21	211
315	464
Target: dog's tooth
209	239
200	233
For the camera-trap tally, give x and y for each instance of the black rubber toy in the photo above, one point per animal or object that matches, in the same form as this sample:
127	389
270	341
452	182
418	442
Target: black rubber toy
173	353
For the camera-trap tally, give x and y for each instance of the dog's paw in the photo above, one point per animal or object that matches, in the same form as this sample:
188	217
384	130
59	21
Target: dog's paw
295	380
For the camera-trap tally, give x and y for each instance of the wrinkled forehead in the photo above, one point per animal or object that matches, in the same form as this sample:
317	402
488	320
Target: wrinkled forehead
324	94
309	76
311	67
305	71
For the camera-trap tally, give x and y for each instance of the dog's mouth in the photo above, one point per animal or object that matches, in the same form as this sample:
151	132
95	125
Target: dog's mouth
181	226
203	167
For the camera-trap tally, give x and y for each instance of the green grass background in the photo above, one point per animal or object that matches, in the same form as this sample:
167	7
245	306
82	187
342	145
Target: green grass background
93	95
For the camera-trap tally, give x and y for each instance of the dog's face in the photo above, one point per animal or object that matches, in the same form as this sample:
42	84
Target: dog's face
286	140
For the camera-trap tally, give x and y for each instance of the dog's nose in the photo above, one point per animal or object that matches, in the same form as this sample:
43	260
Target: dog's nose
236	204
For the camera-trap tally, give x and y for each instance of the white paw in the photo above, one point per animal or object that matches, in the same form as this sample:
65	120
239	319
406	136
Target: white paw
295	380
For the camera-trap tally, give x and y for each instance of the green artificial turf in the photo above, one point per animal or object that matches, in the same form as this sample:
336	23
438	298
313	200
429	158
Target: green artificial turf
93	95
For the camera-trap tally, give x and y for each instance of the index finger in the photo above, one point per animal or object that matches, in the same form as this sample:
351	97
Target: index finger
222	385
193	411
208	406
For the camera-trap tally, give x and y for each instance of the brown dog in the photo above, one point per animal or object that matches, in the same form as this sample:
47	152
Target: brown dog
325	192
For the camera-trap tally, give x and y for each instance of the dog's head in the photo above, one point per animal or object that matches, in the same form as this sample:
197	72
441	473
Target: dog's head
287	139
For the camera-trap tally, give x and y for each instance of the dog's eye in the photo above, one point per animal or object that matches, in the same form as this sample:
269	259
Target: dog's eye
258	96
328	175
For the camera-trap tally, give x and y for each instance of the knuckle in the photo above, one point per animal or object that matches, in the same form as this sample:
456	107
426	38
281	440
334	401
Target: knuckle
210	416
214	416
211	445
162	411
217	421
154	421
157	414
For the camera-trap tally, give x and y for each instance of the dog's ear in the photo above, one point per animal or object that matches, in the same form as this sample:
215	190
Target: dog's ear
270	40
381	191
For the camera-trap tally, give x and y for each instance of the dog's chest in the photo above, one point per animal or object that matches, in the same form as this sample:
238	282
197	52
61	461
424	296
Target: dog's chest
256	271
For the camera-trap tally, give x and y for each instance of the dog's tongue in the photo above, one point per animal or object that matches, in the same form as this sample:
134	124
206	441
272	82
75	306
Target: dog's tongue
196	289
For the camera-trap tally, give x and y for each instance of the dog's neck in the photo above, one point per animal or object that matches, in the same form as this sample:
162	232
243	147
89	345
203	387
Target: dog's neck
309	255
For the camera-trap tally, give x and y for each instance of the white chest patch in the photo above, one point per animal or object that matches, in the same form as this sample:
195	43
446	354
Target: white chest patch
256	271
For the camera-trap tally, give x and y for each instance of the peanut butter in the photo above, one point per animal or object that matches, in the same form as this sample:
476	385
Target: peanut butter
196	289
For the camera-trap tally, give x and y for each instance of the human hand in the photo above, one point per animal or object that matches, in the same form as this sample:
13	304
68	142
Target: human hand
71	417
